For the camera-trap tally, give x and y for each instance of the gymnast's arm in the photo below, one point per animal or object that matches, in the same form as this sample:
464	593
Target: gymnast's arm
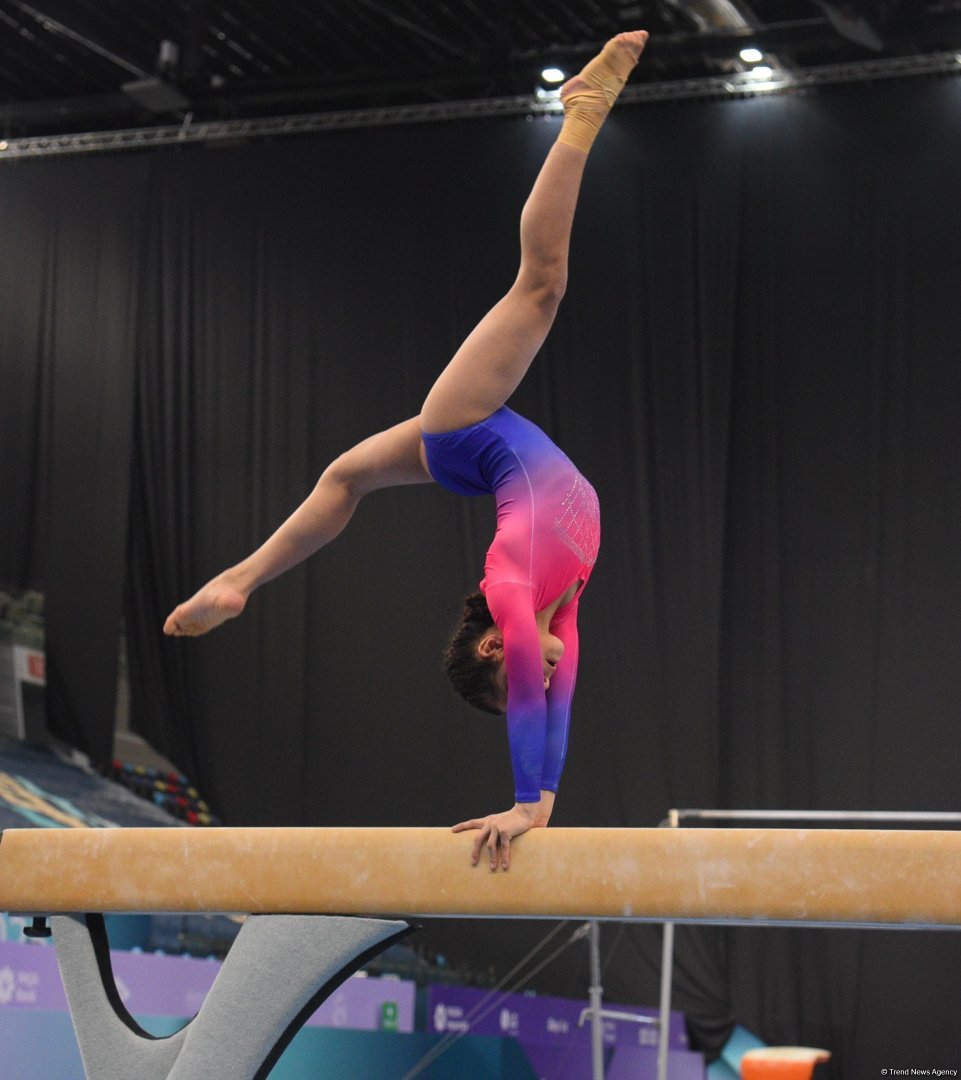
537	746
388	459
510	604
559	696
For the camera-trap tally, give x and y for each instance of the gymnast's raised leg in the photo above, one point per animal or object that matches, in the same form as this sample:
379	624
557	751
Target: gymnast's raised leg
491	363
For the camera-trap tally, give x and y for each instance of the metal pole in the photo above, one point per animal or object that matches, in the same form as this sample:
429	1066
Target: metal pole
664	1028
672	821
597	1020
903	816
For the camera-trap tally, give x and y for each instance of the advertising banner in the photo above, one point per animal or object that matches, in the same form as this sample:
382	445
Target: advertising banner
175	986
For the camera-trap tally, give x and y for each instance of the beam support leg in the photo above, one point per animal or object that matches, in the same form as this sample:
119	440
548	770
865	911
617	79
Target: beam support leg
279	970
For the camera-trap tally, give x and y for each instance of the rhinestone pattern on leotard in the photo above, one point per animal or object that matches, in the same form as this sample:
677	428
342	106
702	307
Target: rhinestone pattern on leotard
579	524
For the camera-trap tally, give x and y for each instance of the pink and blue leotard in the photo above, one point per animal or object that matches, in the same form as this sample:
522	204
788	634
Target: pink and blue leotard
547	538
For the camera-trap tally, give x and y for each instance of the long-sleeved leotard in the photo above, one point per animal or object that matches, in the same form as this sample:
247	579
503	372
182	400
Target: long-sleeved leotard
547	538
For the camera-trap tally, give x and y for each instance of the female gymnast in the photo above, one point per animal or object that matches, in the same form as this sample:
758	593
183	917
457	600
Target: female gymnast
516	648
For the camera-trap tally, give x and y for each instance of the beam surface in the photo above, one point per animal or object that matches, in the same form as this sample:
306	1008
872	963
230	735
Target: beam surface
838	877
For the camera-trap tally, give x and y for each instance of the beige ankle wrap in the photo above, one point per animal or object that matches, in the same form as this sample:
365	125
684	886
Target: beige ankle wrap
586	110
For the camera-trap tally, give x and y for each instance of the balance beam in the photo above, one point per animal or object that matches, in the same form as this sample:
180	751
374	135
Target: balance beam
834	877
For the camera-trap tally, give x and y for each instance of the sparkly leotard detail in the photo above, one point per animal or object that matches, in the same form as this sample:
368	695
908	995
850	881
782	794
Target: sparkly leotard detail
579	525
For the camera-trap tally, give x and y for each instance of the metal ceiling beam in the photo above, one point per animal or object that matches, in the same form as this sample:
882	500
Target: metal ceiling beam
393	85
676	58
717	87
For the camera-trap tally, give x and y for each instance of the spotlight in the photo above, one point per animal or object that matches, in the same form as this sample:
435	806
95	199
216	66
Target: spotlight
762	71
751	55
553	75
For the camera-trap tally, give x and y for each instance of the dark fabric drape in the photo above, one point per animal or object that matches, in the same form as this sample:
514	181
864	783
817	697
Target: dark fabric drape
755	365
69	295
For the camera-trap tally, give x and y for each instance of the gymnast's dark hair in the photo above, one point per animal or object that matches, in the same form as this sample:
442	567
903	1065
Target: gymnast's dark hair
471	675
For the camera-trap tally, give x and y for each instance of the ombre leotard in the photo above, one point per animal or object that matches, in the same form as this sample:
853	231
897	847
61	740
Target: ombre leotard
547	538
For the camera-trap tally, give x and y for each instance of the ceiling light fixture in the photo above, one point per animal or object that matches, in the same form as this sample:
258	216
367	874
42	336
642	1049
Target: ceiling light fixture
759	80
553	75
751	55
549	98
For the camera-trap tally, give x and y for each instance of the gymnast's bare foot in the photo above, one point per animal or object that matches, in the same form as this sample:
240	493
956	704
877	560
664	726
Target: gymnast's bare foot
608	71
212	605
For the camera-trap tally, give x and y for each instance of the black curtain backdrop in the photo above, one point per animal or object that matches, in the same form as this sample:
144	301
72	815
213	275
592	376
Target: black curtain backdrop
69	296
756	366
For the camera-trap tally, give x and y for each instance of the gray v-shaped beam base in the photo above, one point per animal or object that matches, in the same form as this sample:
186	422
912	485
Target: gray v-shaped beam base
278	971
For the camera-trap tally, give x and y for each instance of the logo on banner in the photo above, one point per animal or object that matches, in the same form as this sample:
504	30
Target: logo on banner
389	1016
647	1036
8	984
440	1017
510	1022
449	1018
18	986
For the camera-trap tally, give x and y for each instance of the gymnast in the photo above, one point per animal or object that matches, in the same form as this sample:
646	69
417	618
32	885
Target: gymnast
515	651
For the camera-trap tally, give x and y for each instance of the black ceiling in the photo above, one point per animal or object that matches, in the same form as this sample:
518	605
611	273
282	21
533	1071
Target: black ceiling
63	63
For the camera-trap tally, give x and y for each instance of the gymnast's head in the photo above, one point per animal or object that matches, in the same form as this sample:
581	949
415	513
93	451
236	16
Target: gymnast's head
472	660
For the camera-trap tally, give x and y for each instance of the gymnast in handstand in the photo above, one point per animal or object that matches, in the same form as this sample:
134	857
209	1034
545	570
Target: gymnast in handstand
515	651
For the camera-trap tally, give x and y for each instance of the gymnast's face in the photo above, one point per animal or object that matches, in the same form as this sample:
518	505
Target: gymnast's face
492	645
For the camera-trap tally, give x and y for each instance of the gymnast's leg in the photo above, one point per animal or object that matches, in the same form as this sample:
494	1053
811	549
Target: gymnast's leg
493	360
388	459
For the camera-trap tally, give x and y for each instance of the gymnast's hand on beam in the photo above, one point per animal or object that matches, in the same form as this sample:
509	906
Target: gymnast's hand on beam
497	831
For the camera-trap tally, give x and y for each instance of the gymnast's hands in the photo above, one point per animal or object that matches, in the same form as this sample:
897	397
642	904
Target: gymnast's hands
497	830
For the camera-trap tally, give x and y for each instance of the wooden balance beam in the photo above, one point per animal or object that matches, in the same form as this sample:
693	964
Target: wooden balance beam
886	878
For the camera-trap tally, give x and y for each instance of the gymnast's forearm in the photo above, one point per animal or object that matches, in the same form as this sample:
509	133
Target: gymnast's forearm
559	698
